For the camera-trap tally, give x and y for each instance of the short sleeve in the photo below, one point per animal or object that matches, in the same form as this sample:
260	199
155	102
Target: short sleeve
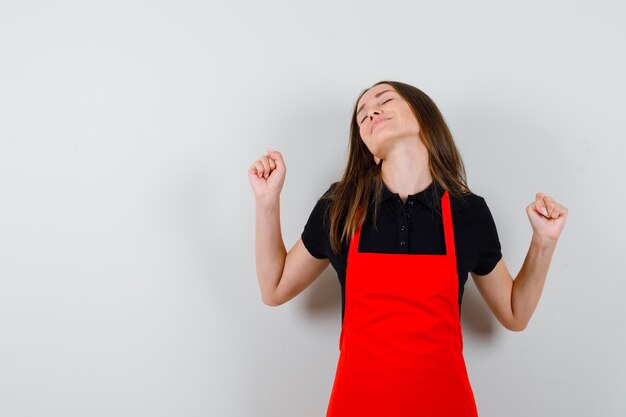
489	249
315	235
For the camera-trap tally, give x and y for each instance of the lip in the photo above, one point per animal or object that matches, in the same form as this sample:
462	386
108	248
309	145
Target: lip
377	123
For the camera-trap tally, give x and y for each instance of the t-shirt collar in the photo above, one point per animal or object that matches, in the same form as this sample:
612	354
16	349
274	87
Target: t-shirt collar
426	196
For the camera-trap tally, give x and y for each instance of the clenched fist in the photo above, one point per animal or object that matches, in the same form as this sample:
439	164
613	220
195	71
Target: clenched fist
547	218
267	175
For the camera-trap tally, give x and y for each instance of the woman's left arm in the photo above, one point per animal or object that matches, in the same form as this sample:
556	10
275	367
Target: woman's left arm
513	302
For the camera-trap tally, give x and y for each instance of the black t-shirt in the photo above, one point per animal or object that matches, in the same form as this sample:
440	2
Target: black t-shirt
414	227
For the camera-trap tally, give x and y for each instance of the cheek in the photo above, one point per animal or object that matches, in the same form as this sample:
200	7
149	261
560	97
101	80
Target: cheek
411	124
367	142
407	119
364	134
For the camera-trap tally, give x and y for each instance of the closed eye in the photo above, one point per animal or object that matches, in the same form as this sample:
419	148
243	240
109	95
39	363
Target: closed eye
362	120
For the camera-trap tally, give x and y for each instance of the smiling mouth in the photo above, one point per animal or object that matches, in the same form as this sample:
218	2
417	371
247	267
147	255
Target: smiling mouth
379	122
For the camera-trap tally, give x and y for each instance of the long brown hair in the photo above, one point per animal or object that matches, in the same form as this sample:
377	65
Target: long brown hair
361	184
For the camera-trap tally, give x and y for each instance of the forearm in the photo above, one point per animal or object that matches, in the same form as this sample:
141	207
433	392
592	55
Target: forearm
270	251
528	284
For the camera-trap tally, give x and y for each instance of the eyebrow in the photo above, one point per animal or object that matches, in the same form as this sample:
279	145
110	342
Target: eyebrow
376	96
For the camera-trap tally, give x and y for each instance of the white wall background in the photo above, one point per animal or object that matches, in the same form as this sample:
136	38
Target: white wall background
127	272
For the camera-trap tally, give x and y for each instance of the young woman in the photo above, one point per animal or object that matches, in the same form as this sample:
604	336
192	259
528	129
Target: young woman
402	230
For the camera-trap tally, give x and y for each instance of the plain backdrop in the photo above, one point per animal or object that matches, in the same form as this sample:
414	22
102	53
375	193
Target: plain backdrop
127	270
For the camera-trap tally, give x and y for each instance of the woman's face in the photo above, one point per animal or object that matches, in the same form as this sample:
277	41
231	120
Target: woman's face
384	118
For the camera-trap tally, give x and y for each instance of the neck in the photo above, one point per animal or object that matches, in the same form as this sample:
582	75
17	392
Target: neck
405	171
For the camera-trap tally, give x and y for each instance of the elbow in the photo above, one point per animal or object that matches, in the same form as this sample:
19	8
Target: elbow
517	327
270	301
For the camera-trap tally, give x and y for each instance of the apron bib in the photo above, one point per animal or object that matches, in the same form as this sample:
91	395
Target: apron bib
401	347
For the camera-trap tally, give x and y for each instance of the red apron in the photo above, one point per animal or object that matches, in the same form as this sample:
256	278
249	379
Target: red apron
401	343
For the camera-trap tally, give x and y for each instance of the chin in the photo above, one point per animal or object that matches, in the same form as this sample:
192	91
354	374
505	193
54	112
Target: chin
381	143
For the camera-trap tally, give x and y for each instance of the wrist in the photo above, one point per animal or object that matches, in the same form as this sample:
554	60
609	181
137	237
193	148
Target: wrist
267	201
542	242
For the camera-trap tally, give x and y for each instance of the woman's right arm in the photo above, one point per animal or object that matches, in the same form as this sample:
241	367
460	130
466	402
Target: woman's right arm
282	275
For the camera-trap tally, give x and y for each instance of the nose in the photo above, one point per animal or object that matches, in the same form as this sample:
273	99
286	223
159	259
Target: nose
372	112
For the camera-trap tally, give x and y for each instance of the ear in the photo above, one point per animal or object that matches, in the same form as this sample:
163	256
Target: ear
376	159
